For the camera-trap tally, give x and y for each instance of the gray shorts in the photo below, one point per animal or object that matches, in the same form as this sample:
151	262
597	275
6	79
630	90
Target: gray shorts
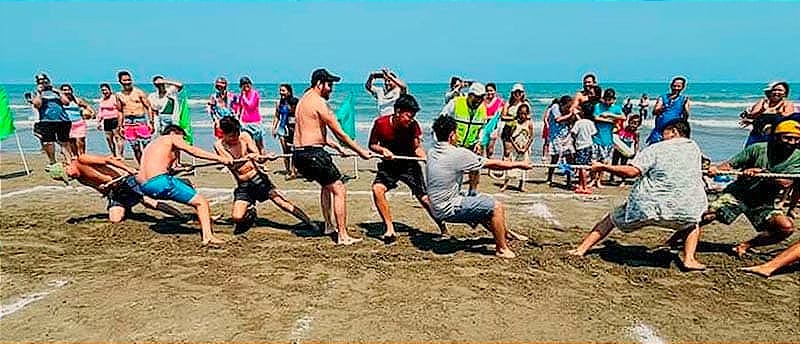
630	225
473	209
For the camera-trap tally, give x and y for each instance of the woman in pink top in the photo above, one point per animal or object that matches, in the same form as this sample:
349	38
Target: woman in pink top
249	114
494	106
109	117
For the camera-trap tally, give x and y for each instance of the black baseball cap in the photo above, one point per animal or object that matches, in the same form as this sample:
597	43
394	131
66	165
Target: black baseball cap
323	75
407	102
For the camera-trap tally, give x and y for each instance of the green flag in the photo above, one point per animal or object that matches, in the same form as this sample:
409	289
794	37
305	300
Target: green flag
185	120
346	115
6	116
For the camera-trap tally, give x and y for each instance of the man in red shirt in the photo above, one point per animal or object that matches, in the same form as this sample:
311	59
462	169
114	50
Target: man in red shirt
393	135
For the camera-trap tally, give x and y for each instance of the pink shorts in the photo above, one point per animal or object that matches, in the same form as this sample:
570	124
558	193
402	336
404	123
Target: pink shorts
78	130
136	131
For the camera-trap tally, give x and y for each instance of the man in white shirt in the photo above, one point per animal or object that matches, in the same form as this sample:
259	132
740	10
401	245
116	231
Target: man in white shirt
392	88
164	101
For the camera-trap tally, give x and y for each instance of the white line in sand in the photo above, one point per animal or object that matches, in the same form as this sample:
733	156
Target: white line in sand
645	334
28	299
301	329
226	192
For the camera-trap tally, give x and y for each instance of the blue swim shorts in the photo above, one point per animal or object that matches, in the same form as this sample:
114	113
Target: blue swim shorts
168	187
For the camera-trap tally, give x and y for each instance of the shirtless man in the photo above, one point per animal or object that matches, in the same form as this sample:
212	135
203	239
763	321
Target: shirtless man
582	96
157	183
253	184
314	118
103	174
138	116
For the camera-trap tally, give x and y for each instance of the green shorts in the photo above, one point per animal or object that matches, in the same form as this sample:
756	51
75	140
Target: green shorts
727	208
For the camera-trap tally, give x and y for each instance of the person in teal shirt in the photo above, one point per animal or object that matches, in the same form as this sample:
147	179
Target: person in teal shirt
606	113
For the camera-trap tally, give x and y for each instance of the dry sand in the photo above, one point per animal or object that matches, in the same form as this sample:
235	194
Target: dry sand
69	275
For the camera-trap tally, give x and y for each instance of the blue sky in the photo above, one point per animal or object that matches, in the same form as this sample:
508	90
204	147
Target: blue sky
423	41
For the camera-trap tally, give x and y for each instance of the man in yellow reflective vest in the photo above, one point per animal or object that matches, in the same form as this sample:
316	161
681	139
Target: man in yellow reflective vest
470	115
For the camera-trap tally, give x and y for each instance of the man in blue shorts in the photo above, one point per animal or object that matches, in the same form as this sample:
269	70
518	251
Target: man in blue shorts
445	168
157	183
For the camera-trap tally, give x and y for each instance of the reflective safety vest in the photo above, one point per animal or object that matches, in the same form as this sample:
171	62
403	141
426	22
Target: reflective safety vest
468	122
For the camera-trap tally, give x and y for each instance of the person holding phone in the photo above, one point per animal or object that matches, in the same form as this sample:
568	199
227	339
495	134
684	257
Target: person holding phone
392	88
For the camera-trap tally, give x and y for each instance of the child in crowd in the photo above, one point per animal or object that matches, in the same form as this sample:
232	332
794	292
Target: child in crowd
583	130
521	140
626	144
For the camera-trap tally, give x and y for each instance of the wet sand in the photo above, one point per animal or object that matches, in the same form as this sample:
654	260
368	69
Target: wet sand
149	279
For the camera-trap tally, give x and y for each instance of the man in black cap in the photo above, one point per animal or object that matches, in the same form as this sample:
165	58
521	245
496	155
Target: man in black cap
313	119
393	135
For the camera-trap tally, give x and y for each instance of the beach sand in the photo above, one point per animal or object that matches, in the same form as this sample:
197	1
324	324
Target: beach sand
149	279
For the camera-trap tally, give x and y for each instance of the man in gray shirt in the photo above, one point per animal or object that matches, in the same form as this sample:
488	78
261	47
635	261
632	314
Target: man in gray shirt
445	168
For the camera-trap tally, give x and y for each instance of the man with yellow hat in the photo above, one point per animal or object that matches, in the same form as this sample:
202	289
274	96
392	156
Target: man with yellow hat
755	197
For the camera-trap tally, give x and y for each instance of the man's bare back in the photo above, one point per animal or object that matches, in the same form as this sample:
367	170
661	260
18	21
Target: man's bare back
94	170
134	103
158	157
310	130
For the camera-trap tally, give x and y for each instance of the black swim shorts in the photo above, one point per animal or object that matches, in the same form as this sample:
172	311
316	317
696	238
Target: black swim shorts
315	164
110	124
125	194
48	131
408	172
257	189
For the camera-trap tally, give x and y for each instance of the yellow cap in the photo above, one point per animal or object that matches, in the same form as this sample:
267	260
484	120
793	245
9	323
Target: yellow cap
788	127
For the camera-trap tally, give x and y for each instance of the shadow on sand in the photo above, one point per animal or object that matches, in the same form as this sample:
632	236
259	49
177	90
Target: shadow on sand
433	242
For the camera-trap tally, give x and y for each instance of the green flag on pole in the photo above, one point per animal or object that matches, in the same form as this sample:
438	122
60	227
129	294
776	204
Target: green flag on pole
6	116
185	120
346	115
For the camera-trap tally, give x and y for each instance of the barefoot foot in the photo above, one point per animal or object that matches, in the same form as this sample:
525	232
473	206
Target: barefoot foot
212	240
758	270
516	236
329	229
505	253
347	241
575	252
692	265
740	250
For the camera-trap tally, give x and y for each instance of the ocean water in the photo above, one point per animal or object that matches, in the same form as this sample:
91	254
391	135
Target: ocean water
714	117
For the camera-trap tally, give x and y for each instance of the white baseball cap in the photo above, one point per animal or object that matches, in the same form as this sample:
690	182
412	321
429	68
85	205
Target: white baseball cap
518	87
477	89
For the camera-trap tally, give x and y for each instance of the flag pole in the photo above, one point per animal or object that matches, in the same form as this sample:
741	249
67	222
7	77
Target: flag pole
22	155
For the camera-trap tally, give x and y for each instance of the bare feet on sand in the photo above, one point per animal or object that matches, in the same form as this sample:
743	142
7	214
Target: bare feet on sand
212	240
758	270
511	235
329	229
575	252
346	241
505	253
692	265
740	250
